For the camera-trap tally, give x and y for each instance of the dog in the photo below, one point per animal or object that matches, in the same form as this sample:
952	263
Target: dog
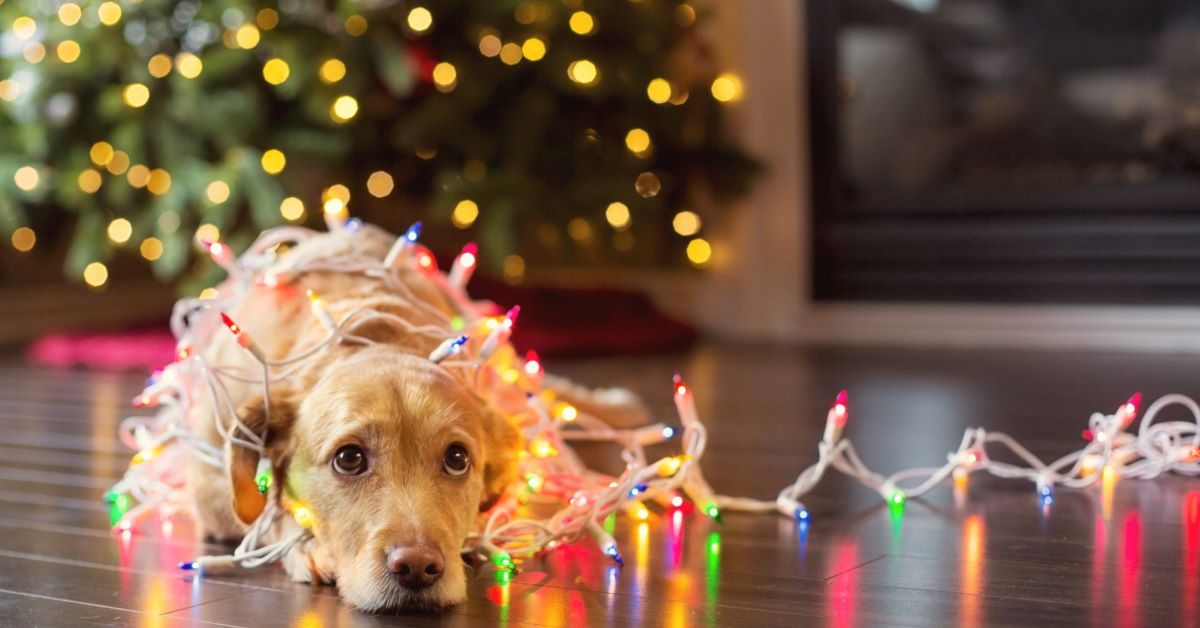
390	455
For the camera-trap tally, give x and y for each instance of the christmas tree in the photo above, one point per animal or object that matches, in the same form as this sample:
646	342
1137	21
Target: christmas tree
138	127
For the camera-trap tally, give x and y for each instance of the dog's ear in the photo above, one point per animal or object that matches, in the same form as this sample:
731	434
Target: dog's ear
503	445
275	425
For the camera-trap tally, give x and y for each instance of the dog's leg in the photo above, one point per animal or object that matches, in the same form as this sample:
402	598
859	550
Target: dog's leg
618	407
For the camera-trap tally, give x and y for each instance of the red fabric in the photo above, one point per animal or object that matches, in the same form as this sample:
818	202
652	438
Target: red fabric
553	321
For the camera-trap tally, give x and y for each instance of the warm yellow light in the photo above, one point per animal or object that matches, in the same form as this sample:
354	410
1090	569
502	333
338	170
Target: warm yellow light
26	178
101	153
534	49
151	249
510	53
69	13
338	191
109	13
637	141
303	516
35	52
727	87
542	448
332	71
24	27
380	184
356	25
189	65
647	185
334	206
68	51
120	230
617	215
159	181
344	108
464	214
291	208
119	162
514	267
9	90
136	95
568	413
579	229
208	232
89	180
659	91
699	252
23	239
420	19
445	77
583	72
159	65
247	36
686	223
217	192
209	294
273	161
95	274
267	19
489	45
276	71
138	176
581	23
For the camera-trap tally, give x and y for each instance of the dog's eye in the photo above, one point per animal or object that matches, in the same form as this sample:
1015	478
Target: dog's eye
350	460
455	461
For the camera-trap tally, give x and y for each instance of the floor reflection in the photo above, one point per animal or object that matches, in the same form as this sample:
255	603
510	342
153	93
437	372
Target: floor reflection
974	539
841	598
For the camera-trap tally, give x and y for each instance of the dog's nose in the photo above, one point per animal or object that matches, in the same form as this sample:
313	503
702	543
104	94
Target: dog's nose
416	566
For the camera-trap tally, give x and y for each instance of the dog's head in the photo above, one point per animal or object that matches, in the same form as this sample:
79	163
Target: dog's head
393	457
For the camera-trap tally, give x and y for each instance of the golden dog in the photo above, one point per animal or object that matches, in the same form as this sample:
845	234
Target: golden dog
391	454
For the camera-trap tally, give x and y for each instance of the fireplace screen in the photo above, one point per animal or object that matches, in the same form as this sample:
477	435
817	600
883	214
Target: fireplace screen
1006	150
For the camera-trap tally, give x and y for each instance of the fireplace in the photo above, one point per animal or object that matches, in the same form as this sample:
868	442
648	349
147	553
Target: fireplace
1005	151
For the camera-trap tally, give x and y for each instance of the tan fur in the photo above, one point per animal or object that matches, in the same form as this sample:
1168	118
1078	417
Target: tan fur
387	398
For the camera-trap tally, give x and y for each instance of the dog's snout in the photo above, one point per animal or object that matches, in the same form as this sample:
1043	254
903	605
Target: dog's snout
416	566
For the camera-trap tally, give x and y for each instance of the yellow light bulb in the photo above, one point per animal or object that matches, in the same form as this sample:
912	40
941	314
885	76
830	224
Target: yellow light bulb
332	71
24	27
659	91
217	192
69	13
23	239
9	90
568	413
686	223
276	71
26	178
581	23
189	65
89	180
159	65
510	53
380	184
109	13
273	161
159	182
699	252
420	19
344	108
247	36
101	153
583	72
637	141
267	19
291	209
151	249
617	215
464	214
119	162
338	191
68	51
208	232
533	49
95	274
138	176
445	76
727	87
120	230
490	44
136	95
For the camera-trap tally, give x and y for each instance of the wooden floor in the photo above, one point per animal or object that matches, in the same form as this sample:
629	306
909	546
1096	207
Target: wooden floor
1127	556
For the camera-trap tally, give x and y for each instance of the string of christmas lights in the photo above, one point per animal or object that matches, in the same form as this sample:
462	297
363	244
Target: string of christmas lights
573	499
